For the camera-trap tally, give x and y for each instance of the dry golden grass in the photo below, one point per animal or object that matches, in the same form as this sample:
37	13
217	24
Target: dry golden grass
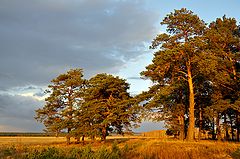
181	150
31	140
132	147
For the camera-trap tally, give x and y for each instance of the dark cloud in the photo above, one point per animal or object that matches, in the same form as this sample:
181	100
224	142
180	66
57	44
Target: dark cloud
17	113
40	39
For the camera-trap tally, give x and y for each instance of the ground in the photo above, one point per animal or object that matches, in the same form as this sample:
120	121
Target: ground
128	147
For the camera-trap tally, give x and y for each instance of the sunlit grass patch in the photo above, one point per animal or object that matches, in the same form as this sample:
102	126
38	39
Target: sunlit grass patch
125	148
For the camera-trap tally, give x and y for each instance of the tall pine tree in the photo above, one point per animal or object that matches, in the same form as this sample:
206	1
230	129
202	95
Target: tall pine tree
177	58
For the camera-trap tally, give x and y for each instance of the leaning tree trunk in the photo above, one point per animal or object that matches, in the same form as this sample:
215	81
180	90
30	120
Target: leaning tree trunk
190	133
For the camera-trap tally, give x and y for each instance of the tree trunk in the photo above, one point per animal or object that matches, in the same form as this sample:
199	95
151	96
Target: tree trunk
233	69
104	133
232	131
218	127
77	139
226	128
83	139
57	133
182	127
68	136
213	129
200	124
237	124
190	133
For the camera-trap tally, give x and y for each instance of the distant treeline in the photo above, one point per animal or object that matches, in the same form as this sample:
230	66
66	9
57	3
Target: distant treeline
31	134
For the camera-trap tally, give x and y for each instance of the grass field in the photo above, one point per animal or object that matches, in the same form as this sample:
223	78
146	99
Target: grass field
129	147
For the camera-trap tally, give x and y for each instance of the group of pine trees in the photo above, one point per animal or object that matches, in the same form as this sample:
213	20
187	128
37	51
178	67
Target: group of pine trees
90	108
195	76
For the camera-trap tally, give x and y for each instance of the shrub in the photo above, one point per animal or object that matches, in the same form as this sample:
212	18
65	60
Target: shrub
47	153
102	153
87	153
116	152
236	154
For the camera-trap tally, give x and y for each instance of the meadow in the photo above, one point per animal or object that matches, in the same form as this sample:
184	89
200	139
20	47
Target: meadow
116	147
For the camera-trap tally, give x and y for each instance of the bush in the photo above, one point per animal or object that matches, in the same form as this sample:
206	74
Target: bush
48	153
103	153
116	152
236	154
87	153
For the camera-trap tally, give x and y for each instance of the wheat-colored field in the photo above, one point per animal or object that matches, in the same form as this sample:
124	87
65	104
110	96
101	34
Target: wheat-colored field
31	140
129	147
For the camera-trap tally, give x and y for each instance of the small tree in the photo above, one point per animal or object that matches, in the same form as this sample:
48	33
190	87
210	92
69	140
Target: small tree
65	97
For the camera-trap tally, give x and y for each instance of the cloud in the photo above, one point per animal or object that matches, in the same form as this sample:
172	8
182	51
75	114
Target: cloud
41	39
134	78
7	128
17	113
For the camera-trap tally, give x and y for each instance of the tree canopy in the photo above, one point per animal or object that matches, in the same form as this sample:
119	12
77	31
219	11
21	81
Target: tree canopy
192	65
65	97
91	107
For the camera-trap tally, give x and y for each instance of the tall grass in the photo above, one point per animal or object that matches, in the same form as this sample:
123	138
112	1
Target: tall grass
141	148
181	150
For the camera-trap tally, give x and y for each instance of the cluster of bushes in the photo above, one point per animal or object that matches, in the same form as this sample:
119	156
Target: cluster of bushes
62	153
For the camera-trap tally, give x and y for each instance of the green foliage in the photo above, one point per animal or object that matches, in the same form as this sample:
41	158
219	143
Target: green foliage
236	154
103	152
116	152
87	153
9	151
75	153
65	97
91	107
48	153
195	72
174	66
107	105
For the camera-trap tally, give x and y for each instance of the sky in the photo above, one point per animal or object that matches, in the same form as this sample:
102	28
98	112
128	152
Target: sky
40	39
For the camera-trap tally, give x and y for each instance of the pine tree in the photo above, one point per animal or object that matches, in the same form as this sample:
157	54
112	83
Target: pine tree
179	56
107	105
65	97
224	44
